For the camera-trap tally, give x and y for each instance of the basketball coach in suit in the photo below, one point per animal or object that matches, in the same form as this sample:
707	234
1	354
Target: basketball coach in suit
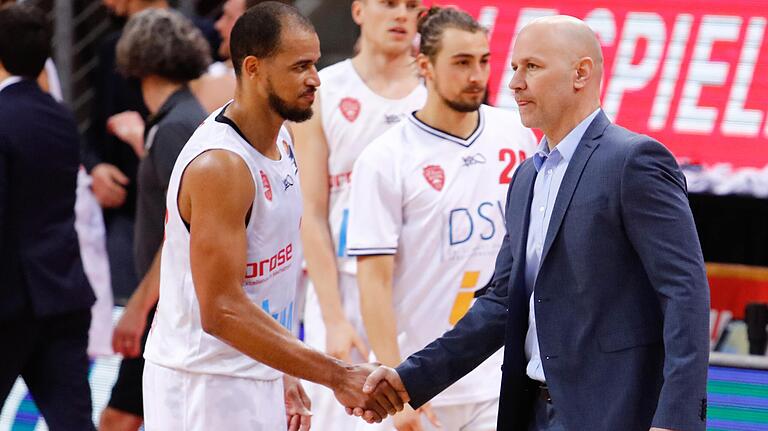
599	294
45	298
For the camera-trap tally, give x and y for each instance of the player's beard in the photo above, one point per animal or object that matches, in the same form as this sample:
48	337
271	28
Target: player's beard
283	109
457	104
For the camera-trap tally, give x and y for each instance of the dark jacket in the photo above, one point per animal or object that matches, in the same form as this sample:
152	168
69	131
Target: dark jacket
40	268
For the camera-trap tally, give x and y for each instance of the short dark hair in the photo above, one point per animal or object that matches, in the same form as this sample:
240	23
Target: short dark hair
257	31
164	43
251	3
25	40
435	20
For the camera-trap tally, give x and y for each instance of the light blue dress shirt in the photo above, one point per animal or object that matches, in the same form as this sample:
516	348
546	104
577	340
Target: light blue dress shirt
550	167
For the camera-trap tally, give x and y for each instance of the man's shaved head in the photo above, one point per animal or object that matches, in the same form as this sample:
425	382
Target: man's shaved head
558	65
574	37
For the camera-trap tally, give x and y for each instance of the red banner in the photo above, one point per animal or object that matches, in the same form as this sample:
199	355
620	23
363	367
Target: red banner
692	74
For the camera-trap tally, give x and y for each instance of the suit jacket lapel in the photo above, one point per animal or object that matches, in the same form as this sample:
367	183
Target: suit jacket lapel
572	175
526	177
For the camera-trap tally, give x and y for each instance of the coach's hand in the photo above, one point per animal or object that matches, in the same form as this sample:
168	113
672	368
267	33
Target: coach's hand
109	185
375	404
126	338
297	405
128	126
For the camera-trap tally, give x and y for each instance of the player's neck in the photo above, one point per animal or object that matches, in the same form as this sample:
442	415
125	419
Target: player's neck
393	76
258	122
438	115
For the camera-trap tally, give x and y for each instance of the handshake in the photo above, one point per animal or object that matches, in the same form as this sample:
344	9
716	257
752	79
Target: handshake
370	391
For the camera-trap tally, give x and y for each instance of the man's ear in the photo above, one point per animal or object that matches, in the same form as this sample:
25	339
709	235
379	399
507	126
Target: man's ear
251	67
357	12
424	65
584	70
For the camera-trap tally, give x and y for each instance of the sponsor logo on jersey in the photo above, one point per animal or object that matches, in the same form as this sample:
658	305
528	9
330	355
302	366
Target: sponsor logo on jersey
393	118
283	316
287	181
337	181
476	159
475	222
435	176
267	186
473	230
289	151
350	108
270	266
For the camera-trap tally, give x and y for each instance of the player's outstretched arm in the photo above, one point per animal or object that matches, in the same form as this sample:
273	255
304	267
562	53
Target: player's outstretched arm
312	157
216	194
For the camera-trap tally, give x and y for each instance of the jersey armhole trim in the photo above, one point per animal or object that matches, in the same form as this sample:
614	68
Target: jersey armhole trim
370	251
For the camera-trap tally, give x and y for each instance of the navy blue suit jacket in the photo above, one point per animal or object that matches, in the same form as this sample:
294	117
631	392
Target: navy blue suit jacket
621	300
40	269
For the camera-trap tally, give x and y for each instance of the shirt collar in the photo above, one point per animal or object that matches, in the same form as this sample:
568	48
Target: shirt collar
567	146
9	81
174	99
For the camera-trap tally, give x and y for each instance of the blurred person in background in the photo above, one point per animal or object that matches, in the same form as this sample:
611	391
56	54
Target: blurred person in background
112	164
217	86
118	109
45	298
359	99
49	77
164	51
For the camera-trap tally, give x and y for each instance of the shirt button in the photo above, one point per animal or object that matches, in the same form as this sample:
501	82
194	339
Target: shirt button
549	171
546	357
541	209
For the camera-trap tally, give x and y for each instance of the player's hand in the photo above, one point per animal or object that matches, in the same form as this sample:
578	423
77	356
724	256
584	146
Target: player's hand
108	185
341	337
383	382
297	405
373	406
126	338
128	126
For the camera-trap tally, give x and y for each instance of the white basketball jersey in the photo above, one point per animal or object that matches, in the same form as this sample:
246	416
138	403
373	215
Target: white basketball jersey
353	116
437	203
177	339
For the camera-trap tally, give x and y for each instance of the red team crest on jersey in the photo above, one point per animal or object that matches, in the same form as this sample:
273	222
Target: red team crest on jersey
435	176
267	186
350	108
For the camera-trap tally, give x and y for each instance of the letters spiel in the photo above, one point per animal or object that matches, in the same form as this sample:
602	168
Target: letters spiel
677	71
